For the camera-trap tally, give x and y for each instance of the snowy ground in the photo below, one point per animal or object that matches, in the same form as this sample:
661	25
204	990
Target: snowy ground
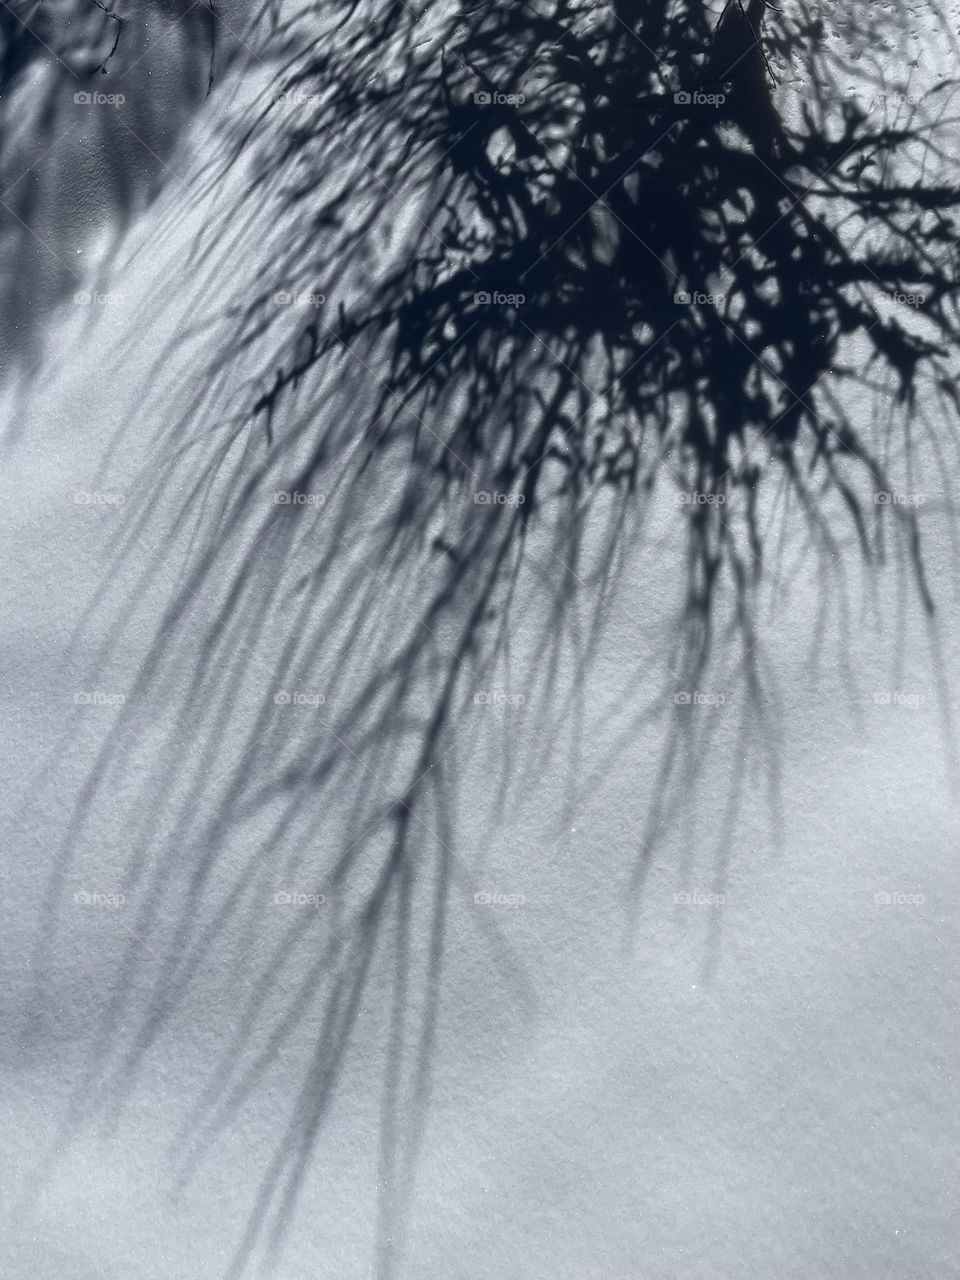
706	1027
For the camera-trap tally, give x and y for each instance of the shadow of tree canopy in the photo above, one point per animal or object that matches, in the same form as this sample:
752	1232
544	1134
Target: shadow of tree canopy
611	170
527	263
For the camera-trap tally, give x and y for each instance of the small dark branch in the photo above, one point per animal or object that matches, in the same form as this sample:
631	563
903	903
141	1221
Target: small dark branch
116	35
211	6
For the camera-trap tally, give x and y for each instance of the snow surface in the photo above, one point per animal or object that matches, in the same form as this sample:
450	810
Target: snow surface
620	1084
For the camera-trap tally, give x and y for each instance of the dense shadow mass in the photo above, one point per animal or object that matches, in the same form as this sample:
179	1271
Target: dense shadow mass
527	263
612	170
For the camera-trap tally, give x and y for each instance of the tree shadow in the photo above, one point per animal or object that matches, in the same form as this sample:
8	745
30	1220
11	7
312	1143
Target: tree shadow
528	268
